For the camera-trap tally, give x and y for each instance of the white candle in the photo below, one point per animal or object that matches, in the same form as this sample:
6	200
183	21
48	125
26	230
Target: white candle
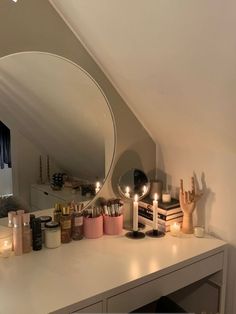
155	213
127	192
6	249
135	213
175	229
97	187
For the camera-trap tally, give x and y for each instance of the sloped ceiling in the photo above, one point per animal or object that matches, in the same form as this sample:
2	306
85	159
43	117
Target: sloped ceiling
172	61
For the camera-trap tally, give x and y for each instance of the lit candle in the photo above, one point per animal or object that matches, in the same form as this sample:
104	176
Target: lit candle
98	186
127	192
135	213
6	249
155	213
144	189
175	229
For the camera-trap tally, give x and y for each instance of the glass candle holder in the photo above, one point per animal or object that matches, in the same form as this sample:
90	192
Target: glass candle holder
175	229
5	242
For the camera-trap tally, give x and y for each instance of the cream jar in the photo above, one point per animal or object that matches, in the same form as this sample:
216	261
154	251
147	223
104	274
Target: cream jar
52	235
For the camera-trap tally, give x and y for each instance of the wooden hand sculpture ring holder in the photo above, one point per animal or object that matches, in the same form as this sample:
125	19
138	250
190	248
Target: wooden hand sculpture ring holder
188	200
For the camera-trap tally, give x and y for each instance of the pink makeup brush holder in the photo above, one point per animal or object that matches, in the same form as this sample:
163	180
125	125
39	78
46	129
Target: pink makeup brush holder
113	225
93	227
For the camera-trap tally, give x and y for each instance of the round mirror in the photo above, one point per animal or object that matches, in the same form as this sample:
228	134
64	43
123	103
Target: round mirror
59	131
134	182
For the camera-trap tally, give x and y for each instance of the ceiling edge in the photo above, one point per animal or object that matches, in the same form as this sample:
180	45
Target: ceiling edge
101	67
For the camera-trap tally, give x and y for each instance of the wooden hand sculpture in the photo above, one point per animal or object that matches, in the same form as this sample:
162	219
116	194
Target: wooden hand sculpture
188	202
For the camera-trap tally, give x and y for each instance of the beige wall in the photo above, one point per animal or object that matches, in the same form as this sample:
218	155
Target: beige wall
33	25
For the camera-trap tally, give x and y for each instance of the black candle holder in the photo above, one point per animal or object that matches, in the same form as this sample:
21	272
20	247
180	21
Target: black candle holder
155	233
135	235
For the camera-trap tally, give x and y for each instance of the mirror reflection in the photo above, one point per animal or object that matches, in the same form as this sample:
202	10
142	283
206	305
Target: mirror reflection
56	132
134	182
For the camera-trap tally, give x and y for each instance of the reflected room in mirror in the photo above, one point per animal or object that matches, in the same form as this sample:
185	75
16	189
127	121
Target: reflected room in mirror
134	182
57	133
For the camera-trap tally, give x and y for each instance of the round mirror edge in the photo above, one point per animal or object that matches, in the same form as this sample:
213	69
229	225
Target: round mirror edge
105	97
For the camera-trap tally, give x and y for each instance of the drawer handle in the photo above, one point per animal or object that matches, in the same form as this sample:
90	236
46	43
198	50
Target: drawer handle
46	193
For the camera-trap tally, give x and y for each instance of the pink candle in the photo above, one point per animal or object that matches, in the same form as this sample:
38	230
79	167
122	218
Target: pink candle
155	213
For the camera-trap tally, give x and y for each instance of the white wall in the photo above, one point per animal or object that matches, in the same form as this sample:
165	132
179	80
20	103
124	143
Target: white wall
174	63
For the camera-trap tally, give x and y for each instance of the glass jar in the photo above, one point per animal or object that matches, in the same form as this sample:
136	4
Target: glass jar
52	235
44	220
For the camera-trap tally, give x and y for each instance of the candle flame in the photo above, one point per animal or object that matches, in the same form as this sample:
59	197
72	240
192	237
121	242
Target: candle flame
127	189
136	197
98	185
144	189
155	197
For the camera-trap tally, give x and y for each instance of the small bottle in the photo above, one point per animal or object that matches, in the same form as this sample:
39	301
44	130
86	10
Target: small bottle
27	237
17	235
37	234
77	224
65	223
57	213
52	235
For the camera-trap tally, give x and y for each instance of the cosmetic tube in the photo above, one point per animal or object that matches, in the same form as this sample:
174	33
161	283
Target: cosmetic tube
27	237
17	235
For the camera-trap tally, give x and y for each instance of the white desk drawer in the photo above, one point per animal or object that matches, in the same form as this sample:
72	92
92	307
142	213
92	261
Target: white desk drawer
94	308
173	281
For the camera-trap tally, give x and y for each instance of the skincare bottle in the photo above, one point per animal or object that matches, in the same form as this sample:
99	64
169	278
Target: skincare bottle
27	237
57	213
77	224
65	223
17	234
37	234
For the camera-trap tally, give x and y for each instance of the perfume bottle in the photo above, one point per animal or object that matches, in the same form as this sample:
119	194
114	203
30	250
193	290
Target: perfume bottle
65	223
57	213
77	224
27	237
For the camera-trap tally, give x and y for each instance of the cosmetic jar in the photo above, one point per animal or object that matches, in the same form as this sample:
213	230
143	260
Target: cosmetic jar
52	235
44	220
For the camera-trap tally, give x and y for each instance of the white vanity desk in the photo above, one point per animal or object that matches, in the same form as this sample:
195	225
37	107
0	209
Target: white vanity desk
110	274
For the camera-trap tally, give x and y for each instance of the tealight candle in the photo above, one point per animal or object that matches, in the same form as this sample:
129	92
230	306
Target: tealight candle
155	213
199	232
175	229
127	192
135	213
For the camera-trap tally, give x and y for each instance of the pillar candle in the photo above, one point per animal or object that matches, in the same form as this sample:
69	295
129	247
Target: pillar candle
135	213
155	213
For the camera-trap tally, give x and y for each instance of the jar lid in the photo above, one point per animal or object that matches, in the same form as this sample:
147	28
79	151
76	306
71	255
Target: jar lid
52	224
45	218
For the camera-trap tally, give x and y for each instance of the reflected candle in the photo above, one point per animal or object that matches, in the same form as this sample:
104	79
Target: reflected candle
155	213
97	187
135	213
6	249
127	192
144	189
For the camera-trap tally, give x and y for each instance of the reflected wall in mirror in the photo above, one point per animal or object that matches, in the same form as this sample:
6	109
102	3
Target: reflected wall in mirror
134	182
59	123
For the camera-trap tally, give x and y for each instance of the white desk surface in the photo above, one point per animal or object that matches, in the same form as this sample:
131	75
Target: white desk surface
51	279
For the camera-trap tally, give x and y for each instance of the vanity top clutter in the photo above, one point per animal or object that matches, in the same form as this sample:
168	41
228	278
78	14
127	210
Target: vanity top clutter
27	232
